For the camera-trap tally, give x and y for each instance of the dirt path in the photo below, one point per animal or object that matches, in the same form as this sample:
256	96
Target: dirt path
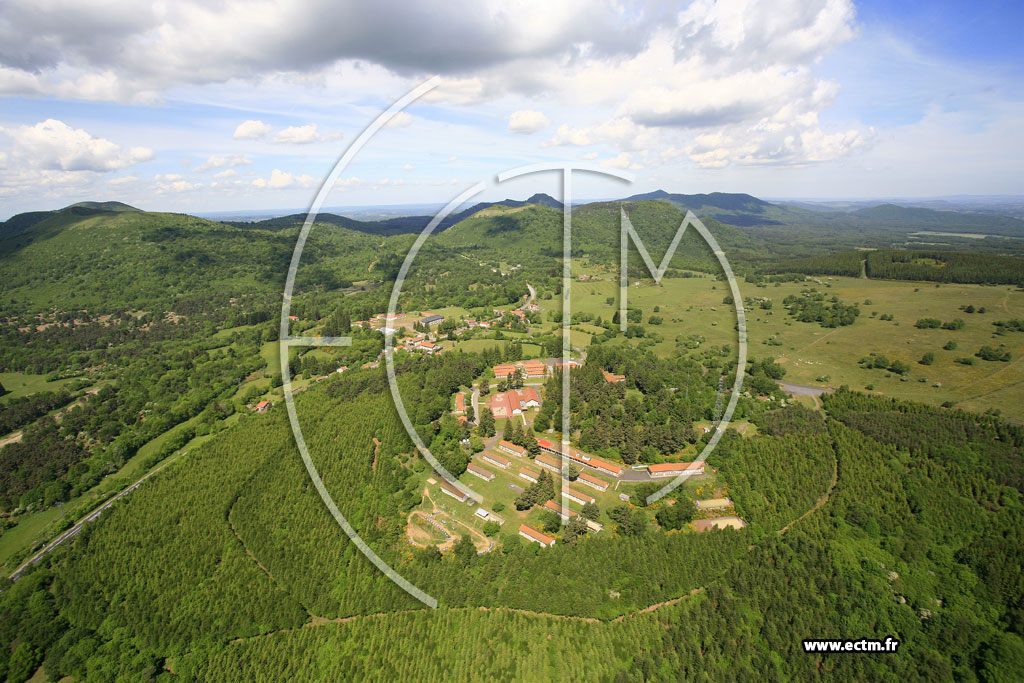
13	438
247	552
784	357
821	500
987	377
376	447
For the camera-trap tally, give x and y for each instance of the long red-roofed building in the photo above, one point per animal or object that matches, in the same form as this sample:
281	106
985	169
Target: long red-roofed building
531	534
510	447
479	471
674	469
548	462
578	496
560	510
495	459
593	482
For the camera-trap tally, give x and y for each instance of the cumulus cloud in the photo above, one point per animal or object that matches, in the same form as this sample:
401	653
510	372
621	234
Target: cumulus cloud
526	121
53	145
194	42
227	173
222	161
252	130
298	135
280	180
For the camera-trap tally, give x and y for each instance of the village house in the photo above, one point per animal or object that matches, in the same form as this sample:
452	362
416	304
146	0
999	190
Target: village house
609	377
263	406
431	319
531	534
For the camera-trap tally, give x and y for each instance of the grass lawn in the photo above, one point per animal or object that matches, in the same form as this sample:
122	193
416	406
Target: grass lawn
23	384
28	532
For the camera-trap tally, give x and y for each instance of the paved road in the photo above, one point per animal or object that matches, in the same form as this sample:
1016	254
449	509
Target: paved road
533	293
803	390
73	531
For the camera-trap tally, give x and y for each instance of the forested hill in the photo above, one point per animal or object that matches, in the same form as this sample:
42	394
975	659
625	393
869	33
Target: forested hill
947	221
23	221
84	258
398	225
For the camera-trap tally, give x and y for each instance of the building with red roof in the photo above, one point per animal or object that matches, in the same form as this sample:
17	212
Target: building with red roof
609	377
531	534
577	496
674	469
529	475
560	510
479	471
548	462
512	448
495	459
593	482
453	491
460	403
510	403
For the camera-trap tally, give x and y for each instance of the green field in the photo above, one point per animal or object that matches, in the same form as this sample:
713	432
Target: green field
808	351
23	384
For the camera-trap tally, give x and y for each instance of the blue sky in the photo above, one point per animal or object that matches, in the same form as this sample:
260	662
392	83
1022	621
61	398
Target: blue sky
182	108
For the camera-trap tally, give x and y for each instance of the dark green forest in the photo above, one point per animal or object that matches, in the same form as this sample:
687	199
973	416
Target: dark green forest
867	518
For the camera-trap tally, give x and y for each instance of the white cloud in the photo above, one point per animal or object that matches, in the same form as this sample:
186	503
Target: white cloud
298	135
408	167
280	180
252	130
527	121
222	161
123	181
620	131
53	145
227	173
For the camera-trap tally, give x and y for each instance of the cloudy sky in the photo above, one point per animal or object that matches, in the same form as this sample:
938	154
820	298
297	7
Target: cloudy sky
212	105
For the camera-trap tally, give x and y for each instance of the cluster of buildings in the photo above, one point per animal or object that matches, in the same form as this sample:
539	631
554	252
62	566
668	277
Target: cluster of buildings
578	457
529	369
514	402
421	344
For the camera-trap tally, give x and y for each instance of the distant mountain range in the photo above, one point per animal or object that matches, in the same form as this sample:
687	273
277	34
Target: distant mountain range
785	221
